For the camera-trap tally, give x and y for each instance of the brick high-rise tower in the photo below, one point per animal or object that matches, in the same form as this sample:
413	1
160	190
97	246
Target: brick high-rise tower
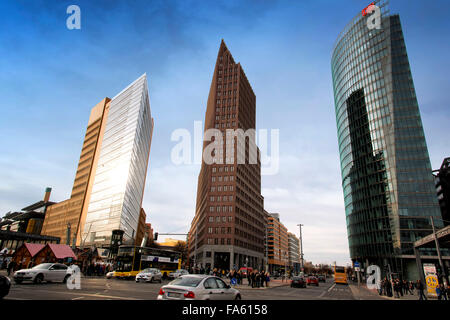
228	228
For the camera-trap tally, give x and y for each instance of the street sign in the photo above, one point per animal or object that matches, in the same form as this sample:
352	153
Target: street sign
356	265
357	269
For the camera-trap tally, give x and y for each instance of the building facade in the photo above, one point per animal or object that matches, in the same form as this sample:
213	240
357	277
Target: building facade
278	244
109	183
386	172
442	180
294	252
228	227
141	229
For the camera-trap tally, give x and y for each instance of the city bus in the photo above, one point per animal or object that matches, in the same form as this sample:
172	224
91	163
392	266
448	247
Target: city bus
340	275
131	260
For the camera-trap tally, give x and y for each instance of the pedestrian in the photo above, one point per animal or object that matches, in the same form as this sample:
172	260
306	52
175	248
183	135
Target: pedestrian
253	277
267	277
446	292
11	266
389	292
420	288
411	287
439	292
249	277
257	279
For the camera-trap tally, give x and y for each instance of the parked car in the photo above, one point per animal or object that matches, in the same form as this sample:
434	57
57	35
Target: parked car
5	285
298	282
149	275
244	271
44	272
178	273
198	287
322	278
312	280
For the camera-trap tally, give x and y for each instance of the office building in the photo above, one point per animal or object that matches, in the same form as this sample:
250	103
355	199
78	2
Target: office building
388	188
442	180
278	244
228	227
109	183
294	252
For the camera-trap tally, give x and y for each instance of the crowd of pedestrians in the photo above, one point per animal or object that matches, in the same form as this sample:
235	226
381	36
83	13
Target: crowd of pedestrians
398	288
255	278
98	269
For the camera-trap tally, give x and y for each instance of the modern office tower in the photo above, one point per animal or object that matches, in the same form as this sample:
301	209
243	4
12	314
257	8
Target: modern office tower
109	183
386	172
294	252
228	227
278	244
442	180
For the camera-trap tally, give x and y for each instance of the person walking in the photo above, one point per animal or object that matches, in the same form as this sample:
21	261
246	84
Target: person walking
420	288
439	292
389	292
11	266
253	278
262	278
396	289
267	278
249	278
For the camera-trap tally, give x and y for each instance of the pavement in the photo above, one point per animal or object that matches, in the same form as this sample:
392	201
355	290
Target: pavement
363	293
100	288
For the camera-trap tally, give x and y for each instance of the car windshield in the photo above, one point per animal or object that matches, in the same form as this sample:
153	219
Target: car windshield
149	270
187	282
297	278
42	266
340	270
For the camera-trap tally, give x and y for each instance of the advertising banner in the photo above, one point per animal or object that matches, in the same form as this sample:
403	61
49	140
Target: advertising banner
431	279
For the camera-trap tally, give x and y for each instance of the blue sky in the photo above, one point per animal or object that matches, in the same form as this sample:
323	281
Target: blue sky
51	77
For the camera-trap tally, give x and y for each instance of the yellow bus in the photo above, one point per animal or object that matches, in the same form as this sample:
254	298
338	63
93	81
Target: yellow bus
340	275
131	260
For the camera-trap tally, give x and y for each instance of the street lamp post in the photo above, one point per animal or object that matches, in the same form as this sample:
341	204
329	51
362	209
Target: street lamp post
301	247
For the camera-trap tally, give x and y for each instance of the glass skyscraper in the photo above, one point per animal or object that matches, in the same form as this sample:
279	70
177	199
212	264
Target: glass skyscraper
118	187
386	172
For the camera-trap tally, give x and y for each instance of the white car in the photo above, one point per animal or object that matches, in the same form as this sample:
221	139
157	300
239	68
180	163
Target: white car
198	287
110	275
49	272
149	275
178	273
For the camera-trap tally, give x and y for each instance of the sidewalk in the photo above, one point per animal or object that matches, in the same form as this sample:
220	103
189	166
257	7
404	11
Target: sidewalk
363	293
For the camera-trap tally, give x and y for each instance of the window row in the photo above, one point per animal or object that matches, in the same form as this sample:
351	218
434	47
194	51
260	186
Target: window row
220	198
221	208
223	219
223	169
222	188
222	241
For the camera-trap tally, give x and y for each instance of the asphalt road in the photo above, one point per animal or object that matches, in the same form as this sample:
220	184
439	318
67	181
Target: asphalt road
113	289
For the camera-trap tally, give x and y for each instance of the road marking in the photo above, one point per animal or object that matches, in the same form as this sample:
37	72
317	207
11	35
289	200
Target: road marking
85	294
329	289
78	298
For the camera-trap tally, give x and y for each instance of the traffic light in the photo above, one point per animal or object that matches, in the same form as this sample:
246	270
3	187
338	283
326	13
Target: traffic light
155	237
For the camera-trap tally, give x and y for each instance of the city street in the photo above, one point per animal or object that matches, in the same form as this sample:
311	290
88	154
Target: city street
112	289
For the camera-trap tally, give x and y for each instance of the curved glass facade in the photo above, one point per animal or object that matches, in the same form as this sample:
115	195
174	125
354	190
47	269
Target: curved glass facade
386	172
118	187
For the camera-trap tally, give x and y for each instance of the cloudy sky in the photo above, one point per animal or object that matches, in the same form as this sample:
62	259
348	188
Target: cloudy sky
51	77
